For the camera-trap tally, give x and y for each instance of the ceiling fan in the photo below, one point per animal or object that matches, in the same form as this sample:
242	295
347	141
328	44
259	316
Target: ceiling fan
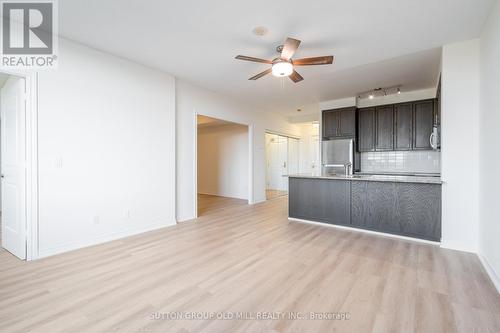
284	64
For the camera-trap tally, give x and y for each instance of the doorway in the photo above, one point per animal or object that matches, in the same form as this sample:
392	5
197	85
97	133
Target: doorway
18	166
282	159
223	159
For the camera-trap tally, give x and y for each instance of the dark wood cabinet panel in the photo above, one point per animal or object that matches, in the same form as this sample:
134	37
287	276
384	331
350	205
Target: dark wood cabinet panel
418	210
339	123
330	124
423	121
373	206
320	200
403	126
437	105
347	119
384	128
406	209
366	130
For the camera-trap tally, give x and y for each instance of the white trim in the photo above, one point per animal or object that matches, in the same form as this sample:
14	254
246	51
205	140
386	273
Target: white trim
282	134
31	130
383	234
251	199
32	166
445	244
250	132
195	159
65	247
221	196
490	271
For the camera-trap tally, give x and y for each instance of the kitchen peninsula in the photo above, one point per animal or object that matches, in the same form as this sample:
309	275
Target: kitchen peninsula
380	171
401	205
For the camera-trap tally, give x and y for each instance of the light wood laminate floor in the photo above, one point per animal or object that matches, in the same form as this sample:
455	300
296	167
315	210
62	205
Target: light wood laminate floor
211	204
250	259
271	194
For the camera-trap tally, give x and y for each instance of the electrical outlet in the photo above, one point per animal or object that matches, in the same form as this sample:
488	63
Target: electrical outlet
96	219
128	214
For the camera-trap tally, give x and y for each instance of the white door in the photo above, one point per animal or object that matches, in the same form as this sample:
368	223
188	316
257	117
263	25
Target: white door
293	156
13	166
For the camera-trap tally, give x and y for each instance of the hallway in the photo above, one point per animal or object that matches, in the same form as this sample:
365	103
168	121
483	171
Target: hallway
210	204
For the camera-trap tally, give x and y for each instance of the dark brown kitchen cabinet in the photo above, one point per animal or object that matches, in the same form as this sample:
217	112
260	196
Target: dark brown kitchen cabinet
339	123
366	129
347	122
384	128
423	121
403	126
330	124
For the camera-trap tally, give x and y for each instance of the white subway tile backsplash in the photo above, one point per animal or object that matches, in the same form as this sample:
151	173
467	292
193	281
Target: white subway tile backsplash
428	161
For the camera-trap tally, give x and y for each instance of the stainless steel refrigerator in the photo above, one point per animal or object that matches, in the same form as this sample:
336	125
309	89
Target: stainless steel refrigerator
338	156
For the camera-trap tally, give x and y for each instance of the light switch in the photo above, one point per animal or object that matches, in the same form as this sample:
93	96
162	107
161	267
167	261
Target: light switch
59	162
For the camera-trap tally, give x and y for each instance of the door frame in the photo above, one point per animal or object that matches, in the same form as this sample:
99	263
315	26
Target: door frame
31	130
250	199
288	136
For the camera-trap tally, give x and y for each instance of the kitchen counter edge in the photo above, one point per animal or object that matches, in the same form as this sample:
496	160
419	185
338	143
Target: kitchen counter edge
375	178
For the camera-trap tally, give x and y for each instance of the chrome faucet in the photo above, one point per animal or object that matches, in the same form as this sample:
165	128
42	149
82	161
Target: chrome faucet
348	169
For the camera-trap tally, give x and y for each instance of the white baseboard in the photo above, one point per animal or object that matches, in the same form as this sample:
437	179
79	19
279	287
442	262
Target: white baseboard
223	195
378	233
490	271
457	247
62	248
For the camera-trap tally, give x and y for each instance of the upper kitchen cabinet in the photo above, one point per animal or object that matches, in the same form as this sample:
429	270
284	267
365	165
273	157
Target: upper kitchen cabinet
403	126
330	124
437	105
423	121
347	121
384	128
366	129
339	123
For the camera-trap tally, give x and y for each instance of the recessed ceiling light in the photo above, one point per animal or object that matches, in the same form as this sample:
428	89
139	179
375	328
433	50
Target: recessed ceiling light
260	31
371	96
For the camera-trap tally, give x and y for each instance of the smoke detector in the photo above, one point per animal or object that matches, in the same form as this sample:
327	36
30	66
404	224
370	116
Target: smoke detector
260	31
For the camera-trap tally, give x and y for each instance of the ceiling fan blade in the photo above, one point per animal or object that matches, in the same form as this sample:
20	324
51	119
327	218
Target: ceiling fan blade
242	57
261	74
296	77
291	45
327	60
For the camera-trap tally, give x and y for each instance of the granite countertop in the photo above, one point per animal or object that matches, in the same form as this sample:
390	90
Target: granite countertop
373	178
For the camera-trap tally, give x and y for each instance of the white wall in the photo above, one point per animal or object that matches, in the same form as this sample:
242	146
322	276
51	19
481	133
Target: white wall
106	149
404	96
309	148
460	145
192	100
337	103
223	160
489	156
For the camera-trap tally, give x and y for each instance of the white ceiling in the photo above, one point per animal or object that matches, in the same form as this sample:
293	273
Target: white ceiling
376	43
204	121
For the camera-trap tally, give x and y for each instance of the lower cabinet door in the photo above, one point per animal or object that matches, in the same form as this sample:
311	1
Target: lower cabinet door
406	209
321	200
418	210
374	206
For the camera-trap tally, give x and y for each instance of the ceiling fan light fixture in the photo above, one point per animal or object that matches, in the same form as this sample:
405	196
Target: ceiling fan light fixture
282	68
